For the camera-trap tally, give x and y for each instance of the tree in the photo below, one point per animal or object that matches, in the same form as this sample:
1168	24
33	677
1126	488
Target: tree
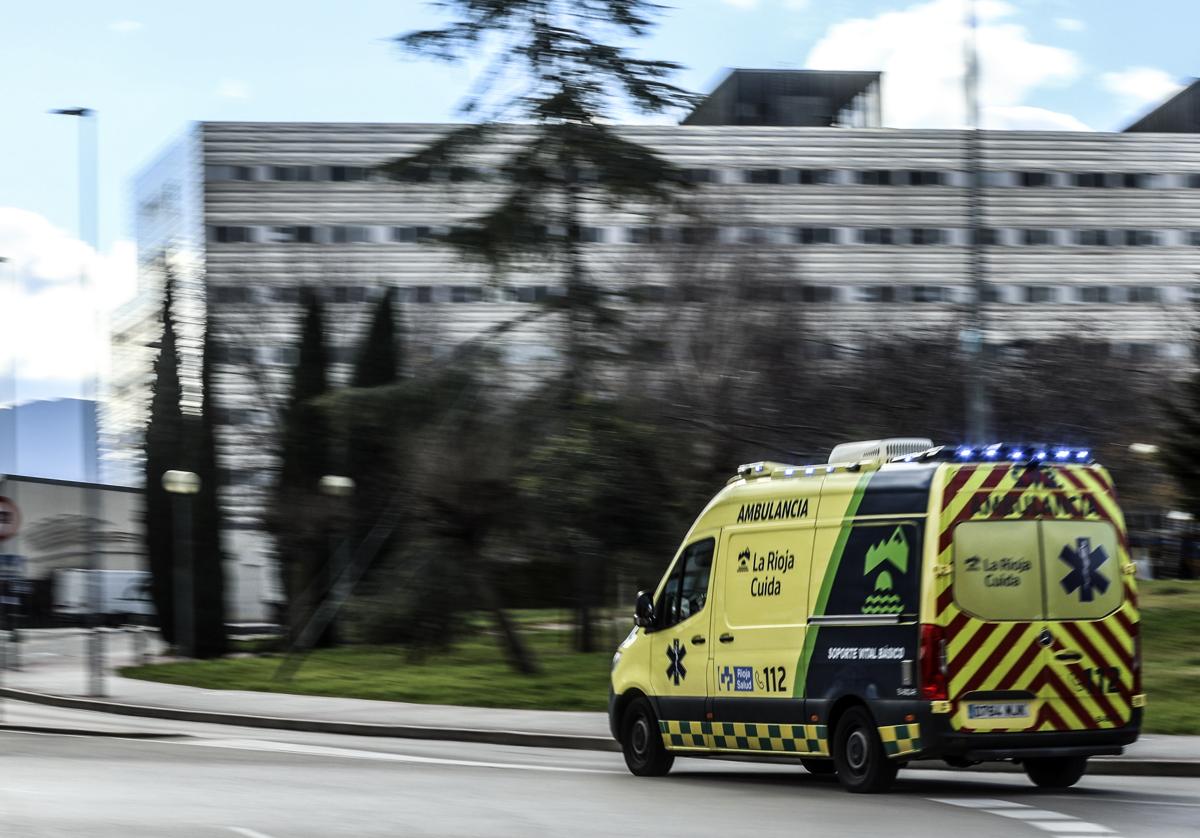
566	154
298	517
163	444
378	360
209	568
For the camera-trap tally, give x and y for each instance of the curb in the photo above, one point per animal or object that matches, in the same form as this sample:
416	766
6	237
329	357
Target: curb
487	737
82	731
1099	765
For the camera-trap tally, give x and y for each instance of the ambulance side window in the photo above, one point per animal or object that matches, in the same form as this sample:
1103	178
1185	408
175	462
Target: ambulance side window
686	591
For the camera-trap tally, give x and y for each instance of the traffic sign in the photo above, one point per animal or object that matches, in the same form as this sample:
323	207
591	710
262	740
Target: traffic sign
10	518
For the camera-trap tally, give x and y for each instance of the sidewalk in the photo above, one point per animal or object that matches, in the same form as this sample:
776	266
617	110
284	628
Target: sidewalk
54	674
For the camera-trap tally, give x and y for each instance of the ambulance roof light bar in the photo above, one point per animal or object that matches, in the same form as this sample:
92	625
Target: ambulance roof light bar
1022	453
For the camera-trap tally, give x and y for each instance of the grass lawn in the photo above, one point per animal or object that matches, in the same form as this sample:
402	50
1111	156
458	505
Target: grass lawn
475	672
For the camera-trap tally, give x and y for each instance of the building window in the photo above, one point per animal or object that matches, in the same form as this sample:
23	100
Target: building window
1090	180
1142	294
698	235
423	294
816	293
645	235
1091	238
466	294
291	173
1193	181
229	294
349	234
1193	238
987	236
875	177
878	294
763	176
925	177
532	293
1095	294
699	176
1035	237
1140	238
877	235
225	234
1035	179
813	235
346	174
926	235
1040	294
289	235
1136	180
285	294
404	235
928	294
813	177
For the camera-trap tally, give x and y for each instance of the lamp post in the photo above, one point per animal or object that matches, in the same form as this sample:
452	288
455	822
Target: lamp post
181	485
336	487
88	155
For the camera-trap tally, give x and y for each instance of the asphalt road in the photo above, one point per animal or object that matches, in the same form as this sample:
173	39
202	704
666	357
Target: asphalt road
205	780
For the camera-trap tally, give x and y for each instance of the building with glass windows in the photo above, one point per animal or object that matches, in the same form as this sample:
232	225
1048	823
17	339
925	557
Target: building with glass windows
1088	234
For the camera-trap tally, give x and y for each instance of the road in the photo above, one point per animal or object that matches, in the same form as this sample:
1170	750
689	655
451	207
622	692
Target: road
206	780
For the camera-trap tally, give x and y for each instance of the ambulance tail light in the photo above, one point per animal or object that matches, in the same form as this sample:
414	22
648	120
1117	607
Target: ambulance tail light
934	668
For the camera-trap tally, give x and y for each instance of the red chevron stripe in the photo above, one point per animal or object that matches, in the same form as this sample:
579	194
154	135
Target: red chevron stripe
944	599
1128	625
1068	698
993	660
1049	714
968	651
1018	668
990	482
1097	660
956	625
1131	595
956	483
1115	644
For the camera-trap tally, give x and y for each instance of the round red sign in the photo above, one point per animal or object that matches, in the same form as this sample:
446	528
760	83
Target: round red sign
10	518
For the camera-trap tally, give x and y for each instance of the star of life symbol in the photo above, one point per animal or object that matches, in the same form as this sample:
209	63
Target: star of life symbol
675	670
1085	575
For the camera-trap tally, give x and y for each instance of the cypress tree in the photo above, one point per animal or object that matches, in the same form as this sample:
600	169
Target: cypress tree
298	518
378	360
209	568
162	445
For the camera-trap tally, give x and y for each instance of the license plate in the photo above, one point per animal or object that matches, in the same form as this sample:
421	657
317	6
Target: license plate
1008	710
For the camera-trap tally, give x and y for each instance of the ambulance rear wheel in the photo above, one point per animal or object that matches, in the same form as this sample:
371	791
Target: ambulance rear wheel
862	765
820	767
641	742
1055	772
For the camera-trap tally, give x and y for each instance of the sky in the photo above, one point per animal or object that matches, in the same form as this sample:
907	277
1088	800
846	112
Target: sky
150	68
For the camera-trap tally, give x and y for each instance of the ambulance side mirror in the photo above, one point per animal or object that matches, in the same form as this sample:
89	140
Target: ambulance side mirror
643	612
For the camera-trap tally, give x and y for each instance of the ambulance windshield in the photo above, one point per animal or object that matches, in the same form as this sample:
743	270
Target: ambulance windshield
1036	570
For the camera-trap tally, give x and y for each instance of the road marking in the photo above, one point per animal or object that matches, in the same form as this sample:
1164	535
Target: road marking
381	756
248	833
1028	814
1058	824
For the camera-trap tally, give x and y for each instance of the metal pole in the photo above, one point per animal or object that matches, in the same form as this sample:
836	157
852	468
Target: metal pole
974	335
185	623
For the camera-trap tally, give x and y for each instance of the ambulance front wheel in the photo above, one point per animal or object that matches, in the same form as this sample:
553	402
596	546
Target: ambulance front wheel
862	765
642	743
1055	772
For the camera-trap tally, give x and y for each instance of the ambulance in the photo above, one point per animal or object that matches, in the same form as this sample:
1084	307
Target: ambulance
902	602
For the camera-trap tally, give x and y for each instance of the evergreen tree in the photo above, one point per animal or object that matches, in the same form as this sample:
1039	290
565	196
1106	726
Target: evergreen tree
566	154
299	517
378	360
209	567
163	443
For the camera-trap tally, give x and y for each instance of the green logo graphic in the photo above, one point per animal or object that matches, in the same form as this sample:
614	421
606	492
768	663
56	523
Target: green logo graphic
894	551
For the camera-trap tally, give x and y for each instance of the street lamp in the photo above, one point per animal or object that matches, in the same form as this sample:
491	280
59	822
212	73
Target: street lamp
181	485
88	192
338	487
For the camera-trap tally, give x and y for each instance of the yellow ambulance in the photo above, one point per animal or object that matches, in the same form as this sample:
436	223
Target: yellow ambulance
903	601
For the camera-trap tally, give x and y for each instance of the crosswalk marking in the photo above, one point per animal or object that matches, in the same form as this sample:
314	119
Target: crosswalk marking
1059	824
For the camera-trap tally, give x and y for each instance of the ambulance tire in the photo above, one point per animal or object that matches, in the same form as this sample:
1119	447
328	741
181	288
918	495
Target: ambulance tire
641	743
862	765
820	767
1055	772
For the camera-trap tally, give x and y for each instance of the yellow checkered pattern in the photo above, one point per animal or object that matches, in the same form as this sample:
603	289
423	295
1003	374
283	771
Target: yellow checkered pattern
747	736
899	740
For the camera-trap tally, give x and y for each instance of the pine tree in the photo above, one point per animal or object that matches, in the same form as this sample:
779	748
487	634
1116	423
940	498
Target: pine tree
209	567
163	444
567	154
298	518
378	360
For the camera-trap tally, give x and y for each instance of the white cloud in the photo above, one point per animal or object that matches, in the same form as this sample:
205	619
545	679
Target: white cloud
56	329
126	26
233	89
1140	86
1070	24
920	51
1028	118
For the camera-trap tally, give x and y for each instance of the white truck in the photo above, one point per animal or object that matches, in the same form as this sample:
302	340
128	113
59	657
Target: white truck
123	593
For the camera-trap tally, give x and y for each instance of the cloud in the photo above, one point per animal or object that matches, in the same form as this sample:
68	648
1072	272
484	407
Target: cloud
920	51
1140	86
1070	24
55	329
126	26
233	89
1028	118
